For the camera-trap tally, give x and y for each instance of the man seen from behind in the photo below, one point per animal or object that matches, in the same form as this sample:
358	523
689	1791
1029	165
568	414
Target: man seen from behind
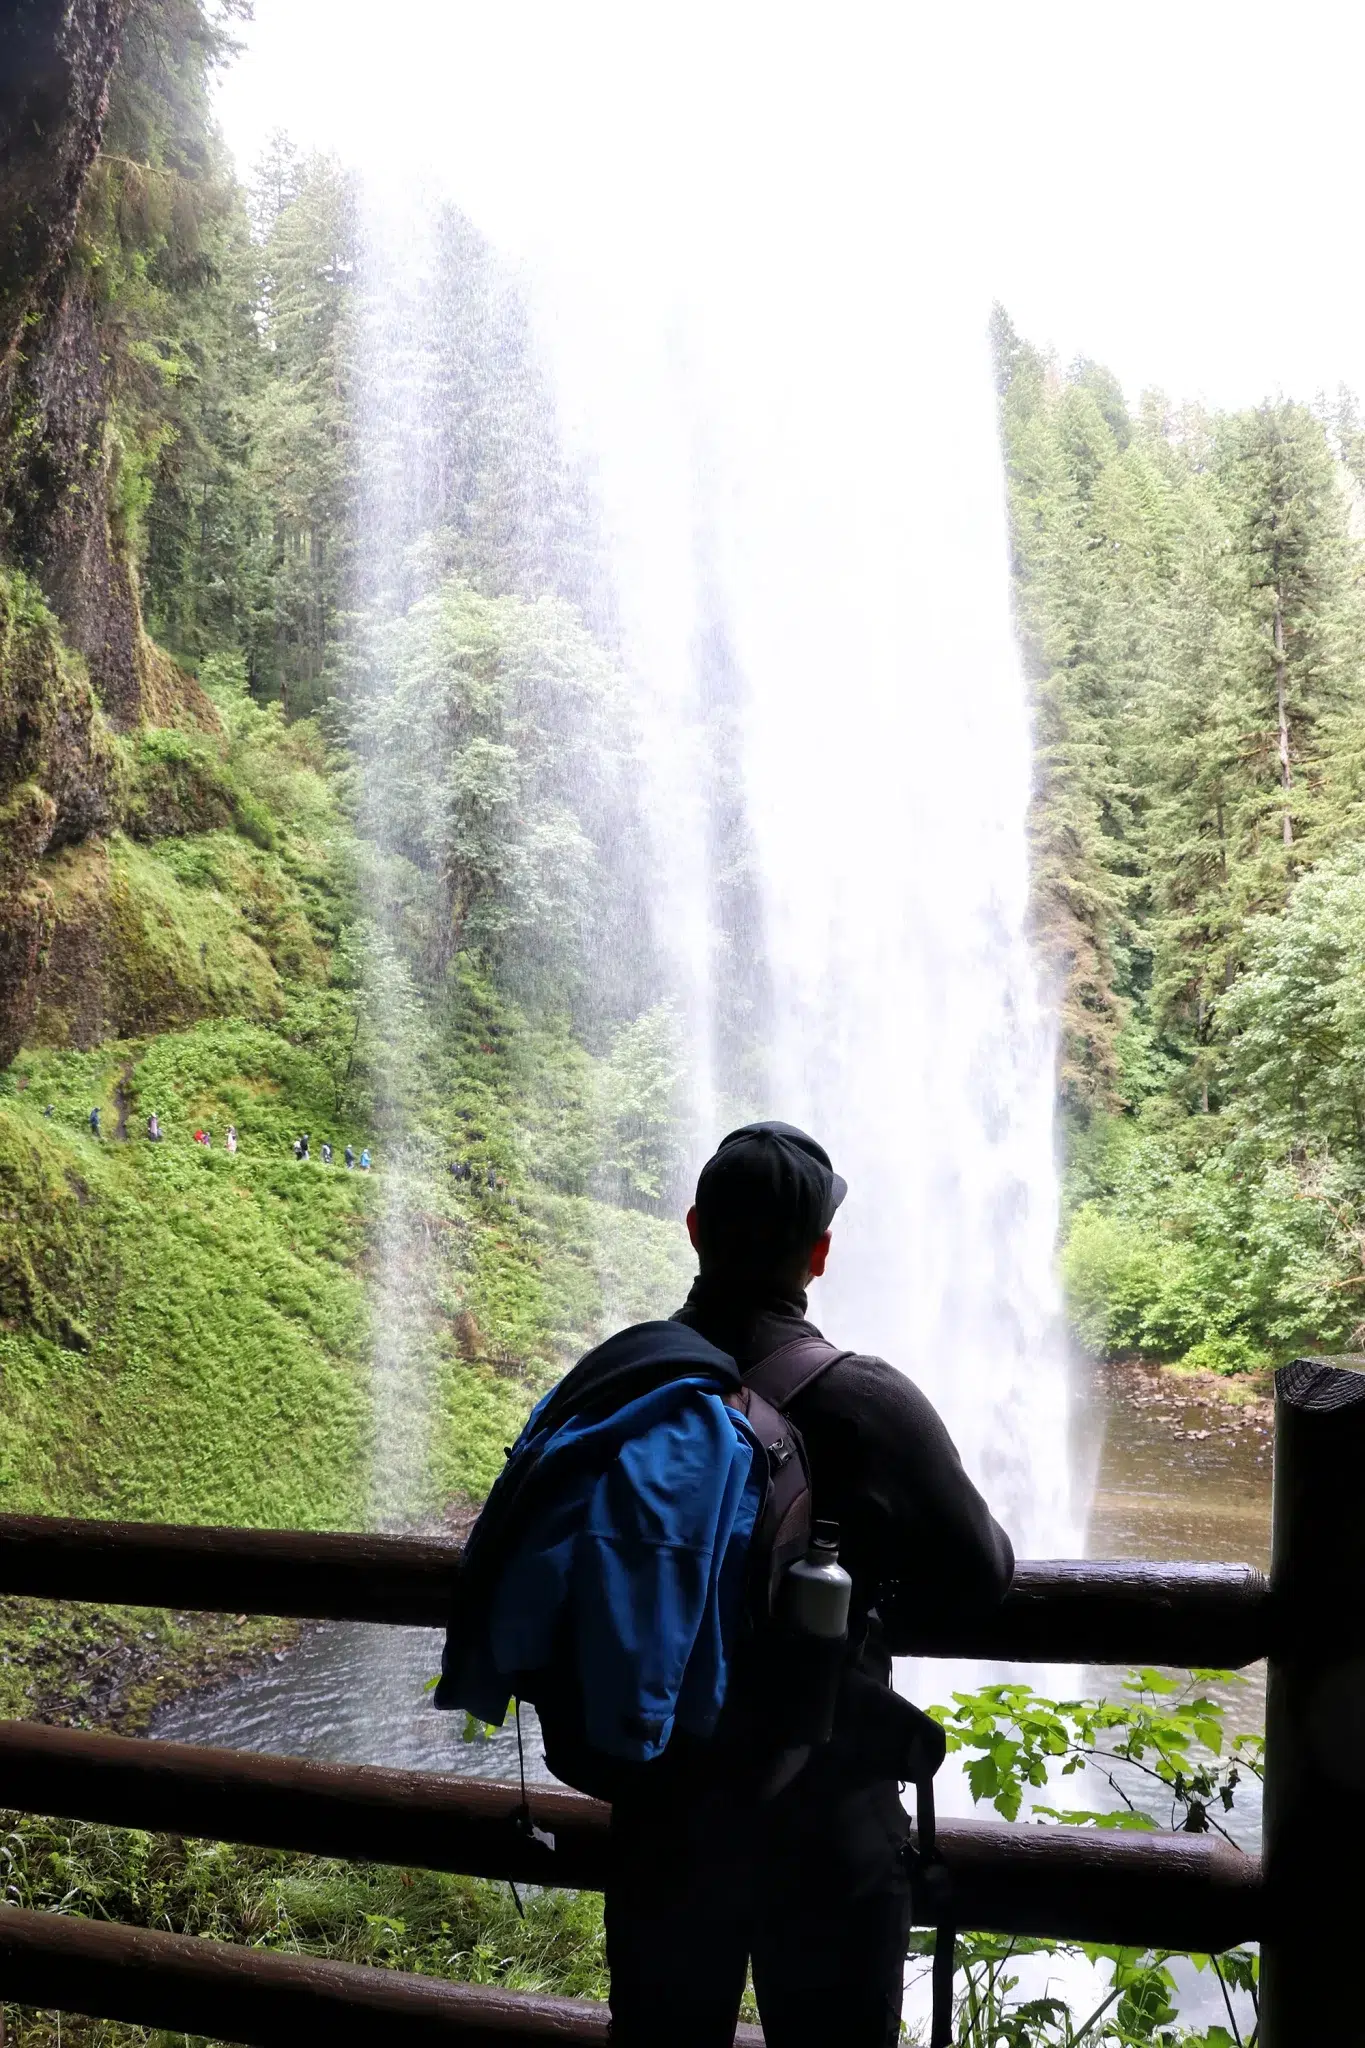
809	1886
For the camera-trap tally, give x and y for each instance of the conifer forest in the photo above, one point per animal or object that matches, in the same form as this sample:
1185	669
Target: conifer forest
1188	590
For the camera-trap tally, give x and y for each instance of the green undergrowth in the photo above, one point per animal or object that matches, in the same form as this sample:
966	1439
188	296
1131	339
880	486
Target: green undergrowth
137	950
453	1927
189	1336
185	1335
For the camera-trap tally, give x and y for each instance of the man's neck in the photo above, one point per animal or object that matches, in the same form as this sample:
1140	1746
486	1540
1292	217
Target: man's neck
729	1312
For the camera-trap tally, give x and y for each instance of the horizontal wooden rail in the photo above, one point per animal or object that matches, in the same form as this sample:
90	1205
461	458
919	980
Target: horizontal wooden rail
1119	1611
434	1821
1061	1611
1171	1891
191	1986
330	1577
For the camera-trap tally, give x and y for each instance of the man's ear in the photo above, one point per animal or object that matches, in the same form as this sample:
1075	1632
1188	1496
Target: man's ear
692	1227
819	1252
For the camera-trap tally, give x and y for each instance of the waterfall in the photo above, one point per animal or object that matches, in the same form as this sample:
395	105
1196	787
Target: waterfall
888	762
870	754
760	288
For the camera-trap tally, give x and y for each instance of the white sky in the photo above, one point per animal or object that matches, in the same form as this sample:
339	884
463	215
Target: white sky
1173	188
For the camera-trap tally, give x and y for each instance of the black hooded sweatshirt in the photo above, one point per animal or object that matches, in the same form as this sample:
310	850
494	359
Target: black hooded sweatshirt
919	1543
914	1533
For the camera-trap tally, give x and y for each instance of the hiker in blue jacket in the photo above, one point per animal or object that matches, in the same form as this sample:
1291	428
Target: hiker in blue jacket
810	1886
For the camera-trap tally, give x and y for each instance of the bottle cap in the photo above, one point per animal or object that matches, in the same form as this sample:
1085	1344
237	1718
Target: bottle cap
826	1535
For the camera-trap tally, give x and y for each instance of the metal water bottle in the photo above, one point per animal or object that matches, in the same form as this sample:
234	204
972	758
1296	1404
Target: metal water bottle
816	1589
813	1627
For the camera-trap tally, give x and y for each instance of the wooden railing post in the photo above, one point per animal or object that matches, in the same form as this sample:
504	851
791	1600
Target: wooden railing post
1315	1713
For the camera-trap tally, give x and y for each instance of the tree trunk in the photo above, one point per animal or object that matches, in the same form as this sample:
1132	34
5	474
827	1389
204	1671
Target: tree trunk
1283	709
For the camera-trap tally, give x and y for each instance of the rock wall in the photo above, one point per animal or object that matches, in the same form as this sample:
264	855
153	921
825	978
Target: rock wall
59	782
56	57
55	61
58	507
75	663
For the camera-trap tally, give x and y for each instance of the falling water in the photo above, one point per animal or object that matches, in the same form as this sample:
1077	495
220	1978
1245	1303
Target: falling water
888	763
757	266
393	418
868	754
830	707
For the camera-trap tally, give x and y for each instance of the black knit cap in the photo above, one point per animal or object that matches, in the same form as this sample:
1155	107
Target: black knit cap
767	1191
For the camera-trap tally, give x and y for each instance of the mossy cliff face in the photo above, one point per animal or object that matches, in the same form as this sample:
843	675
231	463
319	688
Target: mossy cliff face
75	662
55	61
63	529
59	782
134	951
58	457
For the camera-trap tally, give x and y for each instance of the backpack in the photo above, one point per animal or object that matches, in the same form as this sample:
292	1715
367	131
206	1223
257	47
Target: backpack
623	1574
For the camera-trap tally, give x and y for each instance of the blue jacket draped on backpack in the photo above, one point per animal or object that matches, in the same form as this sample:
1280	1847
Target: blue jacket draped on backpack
634	1556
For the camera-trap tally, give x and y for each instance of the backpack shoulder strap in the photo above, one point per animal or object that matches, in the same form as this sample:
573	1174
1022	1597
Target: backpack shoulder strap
788	1371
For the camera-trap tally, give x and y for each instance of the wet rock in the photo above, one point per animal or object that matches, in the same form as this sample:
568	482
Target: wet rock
55	61
56	452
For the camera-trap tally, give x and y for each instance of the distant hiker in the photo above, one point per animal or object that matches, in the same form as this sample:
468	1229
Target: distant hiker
231	1140
154	1129
326	1153
201	1138
301	1146
349	1155
365	1162
492	1177
50	1110
95	1122
751	1747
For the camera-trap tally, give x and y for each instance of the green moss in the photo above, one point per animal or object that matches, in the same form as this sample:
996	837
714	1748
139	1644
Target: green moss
269	901
226	1374
136	950
181	782
176	783
50	1260
52	732
224	1305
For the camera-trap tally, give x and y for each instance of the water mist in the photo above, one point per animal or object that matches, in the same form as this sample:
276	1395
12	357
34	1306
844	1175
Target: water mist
868	752
766	344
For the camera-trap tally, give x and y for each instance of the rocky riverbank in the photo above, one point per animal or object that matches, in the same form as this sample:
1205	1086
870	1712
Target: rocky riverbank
1194	1402
77	1666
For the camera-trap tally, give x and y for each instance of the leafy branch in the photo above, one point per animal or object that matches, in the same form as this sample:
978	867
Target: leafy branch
1169	1732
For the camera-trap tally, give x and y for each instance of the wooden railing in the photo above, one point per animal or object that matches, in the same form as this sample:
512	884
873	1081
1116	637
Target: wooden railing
1173	1891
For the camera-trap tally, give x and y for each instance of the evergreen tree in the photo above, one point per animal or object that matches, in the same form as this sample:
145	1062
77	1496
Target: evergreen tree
303	443
170	265
1054	451
1296	595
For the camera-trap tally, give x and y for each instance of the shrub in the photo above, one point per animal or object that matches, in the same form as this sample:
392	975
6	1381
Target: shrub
1226	1353
1128	1288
